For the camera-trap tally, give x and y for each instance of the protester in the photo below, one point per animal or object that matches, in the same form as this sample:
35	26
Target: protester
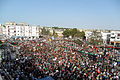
62	59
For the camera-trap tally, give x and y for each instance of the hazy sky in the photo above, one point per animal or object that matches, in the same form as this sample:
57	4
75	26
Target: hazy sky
88	14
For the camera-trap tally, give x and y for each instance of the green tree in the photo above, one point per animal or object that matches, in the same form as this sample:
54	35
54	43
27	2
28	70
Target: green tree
55	27
45	31
69	32
73	32
66	33
95	38
80	34
55	35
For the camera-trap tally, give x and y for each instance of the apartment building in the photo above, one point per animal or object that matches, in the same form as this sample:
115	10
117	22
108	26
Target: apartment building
115	38
106	37
26	31
21	30
88	34
34	32
1	31
10	30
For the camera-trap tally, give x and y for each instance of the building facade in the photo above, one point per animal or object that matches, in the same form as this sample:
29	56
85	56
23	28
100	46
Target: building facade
115	38
21	30
106	37
88	34
1	31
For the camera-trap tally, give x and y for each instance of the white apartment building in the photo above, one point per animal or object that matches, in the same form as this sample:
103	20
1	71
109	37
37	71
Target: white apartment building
18	30
10	30
37	32
51	30
4	30
115	38
14	30
21	30
1	31
88	34
106	37
34	32
26	31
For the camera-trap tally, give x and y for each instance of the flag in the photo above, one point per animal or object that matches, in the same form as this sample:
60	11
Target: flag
105	57
70	60
74	68
98	70
74	56
79	66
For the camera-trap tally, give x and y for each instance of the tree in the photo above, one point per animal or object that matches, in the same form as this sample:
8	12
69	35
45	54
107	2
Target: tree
55	27
55	35
80	34
45	31
74	33
95	38
58	27
66	33
70	32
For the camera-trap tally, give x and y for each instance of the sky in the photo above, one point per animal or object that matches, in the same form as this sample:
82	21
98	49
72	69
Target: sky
82	14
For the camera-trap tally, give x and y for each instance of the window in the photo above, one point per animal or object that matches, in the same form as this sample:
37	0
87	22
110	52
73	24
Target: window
112	33
108	35
118	34
113	37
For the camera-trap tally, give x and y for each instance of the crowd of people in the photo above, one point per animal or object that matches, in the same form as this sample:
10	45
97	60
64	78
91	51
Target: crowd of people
62	59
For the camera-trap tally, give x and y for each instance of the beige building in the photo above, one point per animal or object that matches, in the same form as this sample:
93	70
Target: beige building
1	30
10	23
59	32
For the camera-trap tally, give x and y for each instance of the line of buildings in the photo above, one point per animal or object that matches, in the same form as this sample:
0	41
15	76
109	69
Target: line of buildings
12	29
111	37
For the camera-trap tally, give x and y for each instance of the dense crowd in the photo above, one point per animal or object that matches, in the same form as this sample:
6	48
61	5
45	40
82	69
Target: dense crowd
62	59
